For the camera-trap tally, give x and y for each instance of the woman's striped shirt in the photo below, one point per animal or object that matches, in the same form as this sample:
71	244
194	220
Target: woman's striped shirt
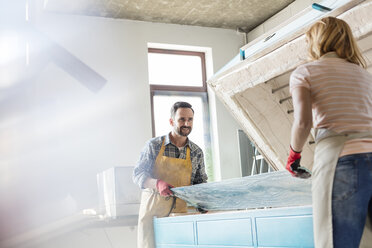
341	94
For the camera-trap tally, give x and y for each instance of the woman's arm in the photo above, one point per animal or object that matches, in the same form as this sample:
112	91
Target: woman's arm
302	117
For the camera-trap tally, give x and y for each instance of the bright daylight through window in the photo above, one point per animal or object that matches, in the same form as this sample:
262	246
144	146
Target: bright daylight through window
180	76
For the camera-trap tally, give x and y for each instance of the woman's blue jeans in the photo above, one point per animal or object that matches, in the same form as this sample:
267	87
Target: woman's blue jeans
351	199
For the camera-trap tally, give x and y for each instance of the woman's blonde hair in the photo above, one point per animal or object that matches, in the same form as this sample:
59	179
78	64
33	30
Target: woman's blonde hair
331	34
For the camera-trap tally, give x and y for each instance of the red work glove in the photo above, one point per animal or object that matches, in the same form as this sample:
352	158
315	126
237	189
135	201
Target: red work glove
163	188
294	167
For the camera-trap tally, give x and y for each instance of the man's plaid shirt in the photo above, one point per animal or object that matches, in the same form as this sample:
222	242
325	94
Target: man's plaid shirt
151	150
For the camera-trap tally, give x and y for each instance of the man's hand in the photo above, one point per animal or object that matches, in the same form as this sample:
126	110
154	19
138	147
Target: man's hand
163	188
201	209
294	167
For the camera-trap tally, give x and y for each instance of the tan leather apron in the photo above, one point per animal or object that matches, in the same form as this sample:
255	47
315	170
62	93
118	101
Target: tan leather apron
174	171
328	148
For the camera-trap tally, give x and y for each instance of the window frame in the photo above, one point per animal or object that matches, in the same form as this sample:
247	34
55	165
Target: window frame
154	88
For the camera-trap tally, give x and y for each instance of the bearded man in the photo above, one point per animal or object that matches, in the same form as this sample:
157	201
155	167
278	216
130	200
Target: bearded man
167	161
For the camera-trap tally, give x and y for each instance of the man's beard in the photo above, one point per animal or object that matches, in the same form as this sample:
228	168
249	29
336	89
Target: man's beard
184	131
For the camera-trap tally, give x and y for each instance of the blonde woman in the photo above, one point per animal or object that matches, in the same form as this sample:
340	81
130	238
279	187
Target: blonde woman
333	94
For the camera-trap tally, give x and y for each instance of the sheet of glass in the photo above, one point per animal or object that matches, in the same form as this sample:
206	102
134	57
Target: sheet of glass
275	189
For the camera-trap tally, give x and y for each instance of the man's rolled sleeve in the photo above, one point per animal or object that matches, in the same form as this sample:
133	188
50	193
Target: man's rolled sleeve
144	166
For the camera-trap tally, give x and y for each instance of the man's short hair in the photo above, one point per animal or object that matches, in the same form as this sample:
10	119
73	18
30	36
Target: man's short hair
178	105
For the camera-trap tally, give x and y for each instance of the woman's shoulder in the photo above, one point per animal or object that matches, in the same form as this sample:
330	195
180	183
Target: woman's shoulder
322	65
302	69
311	64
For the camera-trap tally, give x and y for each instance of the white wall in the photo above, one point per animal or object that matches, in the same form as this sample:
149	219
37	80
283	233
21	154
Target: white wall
226	132
59	134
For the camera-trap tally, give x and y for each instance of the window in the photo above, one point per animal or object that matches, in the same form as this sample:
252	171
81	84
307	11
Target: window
183	69
180	76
